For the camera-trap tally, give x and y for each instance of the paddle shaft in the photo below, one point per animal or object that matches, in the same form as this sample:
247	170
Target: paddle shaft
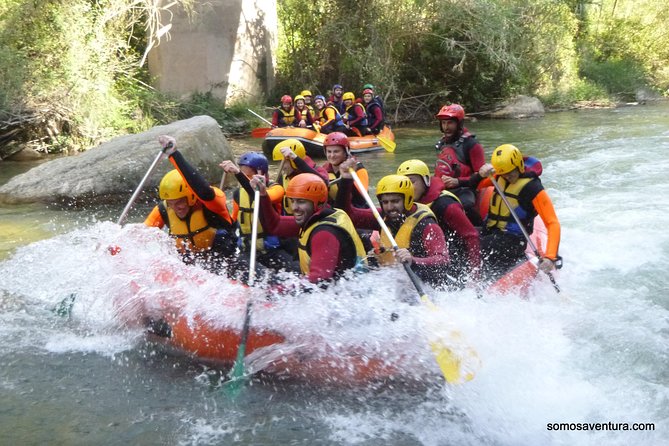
238	367
533	247
259	117
135	194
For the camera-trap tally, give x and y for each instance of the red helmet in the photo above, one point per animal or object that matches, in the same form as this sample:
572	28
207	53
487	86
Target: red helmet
336	139
368	91
308	186
453	111
286	99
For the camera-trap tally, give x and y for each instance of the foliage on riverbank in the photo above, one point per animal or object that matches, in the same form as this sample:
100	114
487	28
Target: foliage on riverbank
73	74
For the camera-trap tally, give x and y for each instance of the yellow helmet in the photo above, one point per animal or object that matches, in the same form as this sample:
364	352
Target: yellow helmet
415	167
173	187
296	146
348	95
506	158
306	93
396	184
298	97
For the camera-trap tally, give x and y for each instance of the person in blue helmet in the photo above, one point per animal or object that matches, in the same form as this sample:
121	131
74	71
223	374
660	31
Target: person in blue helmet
268	247
327	116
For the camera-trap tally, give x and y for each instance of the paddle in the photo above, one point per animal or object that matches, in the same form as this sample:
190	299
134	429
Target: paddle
141	185
237	371
448	360
260	117
387	143
260	132
522	228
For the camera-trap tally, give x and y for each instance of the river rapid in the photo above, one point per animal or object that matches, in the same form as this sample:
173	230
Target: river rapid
598	352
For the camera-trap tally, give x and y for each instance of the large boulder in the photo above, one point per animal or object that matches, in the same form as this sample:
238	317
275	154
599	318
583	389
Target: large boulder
519	107
113	170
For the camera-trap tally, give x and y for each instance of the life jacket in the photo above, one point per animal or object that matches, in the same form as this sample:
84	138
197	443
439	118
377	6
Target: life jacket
287	205
286	118
353	108
337	122
333	184
453	159
245	221
308	115
375	102
197	231
499	216
408	236
340	220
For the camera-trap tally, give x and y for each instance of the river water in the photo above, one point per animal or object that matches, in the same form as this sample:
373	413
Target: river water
596	353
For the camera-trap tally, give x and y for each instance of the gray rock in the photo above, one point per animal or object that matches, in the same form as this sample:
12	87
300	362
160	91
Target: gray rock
113	170
519	107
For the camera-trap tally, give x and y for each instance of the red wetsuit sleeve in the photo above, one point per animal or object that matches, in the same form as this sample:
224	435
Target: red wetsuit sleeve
325	252
275	224
435	247
154	219
544	206
454	215
275	118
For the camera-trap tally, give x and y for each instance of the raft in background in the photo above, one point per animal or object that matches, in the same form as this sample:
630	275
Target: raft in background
313	140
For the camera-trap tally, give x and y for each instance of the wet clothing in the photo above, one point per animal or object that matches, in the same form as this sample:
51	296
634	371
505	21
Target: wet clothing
206	233
358	200
283	118
503	243
375	117
461	158
419	232
331	120
328	245
464	245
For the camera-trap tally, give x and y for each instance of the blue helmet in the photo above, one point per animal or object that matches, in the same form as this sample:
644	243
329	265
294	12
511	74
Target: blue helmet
335	86
321	97
256	161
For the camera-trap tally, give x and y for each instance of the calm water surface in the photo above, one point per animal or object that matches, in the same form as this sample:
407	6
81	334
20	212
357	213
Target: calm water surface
596	353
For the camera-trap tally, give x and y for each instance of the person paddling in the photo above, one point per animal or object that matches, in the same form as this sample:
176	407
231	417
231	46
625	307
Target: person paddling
328	245
464	245
195	213
420	240
503	243
337	150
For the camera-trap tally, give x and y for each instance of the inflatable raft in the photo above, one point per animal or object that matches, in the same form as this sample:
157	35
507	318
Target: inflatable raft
313	141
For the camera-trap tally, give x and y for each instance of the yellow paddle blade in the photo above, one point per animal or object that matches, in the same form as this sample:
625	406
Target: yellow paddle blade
388	144
458	365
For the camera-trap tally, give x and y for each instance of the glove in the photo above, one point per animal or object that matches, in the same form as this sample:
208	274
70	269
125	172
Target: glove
168	143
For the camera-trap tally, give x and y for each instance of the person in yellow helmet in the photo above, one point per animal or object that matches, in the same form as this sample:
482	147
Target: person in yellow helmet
464	245
306	114
503	243
414	226
308	99
195	213
355	116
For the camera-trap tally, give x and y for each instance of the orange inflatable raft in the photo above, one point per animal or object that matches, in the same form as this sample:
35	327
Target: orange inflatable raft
313	141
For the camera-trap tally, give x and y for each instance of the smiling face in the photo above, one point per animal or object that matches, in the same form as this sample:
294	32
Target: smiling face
336	155
179	206
367	97
319	104
302	210
392	206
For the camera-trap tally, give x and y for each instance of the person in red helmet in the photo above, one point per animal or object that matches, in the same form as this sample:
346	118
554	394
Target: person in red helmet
460	156
337	150
286	115
374	111
328	243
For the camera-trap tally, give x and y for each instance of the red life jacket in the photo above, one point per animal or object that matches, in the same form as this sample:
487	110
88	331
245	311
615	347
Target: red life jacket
453	159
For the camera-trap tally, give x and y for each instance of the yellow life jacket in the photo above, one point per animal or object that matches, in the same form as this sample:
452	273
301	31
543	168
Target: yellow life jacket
403	236
245	219
194	234
445	193
339	219
333	186
287	205
288	117
498	213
